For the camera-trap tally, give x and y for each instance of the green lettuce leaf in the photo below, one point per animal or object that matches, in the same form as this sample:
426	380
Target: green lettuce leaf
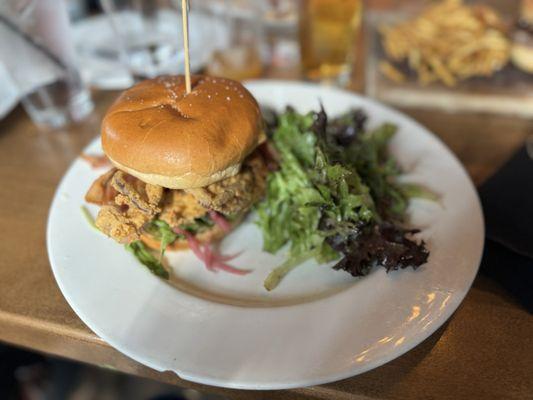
89	218
145	257
161	231
414	190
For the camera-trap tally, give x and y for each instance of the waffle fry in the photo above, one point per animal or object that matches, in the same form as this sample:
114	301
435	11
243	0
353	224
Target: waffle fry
448	42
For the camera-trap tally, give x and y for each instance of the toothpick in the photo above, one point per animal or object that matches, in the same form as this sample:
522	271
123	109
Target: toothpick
185	18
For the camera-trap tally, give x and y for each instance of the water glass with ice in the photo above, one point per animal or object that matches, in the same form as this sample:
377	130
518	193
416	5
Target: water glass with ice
148	35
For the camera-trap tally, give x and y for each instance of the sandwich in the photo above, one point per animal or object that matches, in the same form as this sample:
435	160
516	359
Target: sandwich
186	167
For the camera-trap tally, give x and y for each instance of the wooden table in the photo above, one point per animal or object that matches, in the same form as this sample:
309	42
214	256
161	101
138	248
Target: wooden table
484	351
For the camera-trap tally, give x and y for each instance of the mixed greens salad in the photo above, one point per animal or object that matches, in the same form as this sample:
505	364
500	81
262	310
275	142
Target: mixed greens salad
336	196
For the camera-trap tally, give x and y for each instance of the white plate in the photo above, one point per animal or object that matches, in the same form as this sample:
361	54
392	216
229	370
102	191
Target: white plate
319	325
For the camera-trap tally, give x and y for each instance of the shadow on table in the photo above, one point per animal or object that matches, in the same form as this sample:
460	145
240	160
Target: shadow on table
391	373
28	375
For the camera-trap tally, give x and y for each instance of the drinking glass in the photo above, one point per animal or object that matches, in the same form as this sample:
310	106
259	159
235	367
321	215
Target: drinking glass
240	57
281	35
36	49
328	30
149	35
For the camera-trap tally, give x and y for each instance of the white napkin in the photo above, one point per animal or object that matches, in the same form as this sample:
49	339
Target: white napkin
24	67
9	92
28	67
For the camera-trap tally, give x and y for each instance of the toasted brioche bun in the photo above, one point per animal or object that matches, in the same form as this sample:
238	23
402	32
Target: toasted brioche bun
214	234
157	133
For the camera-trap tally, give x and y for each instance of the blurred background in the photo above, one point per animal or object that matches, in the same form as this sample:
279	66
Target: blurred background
54	53
26	375
453	55
57	57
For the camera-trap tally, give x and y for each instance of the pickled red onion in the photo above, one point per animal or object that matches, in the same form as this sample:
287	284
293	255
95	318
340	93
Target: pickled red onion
212	260
209	257
195	246
228	268
229	257
220	221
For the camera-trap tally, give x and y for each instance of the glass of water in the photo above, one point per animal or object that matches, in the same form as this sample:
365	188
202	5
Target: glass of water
240	58
149	35
35	46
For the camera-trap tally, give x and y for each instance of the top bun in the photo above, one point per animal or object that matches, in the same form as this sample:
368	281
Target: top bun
157	133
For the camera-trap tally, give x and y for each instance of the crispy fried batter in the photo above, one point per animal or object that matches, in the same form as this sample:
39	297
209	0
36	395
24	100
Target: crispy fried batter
134	203
101	192
154	193
138	194
237	193
180	208
123	226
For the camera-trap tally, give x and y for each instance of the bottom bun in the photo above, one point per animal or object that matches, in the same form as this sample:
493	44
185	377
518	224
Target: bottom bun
214	234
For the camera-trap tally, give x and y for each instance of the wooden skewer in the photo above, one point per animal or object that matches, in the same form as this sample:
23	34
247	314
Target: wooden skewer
185	19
